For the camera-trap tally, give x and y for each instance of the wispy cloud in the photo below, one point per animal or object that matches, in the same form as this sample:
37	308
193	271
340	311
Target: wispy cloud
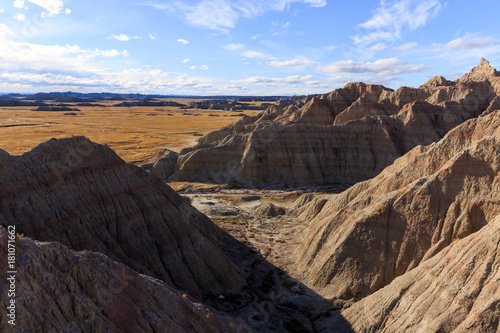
391	18
392	66
234	47
153	36
470	42
247	53
202	67
281	28
378	47
108	53
20	17
466	50
256	54
183	41
222	15
269	81
52	7
405	47
292	63
186	60
122	37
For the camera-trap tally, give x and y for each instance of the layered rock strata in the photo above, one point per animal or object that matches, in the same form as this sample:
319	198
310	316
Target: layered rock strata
346	136
364	238
60	290
84	196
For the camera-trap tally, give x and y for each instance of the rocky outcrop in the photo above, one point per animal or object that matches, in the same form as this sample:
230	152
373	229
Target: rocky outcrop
292	155
455	291
482	72
162	164
60	290
364	238
346	136
84	196
436	81
316	112
269	210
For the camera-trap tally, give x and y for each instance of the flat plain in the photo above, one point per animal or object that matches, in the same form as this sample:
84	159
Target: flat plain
135	133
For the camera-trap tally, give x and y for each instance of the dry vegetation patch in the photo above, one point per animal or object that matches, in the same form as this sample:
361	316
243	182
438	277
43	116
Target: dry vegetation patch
135	133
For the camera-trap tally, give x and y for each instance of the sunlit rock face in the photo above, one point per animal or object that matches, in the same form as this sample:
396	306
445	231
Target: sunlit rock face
345	136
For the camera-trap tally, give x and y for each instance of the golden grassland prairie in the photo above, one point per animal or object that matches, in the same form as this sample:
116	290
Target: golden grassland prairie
135	133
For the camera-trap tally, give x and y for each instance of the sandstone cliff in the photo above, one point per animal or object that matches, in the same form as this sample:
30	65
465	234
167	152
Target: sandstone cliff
364	238
455	291
84	196
345	136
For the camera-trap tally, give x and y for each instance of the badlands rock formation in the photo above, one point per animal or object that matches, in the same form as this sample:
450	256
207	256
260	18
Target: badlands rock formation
109	246
458	290
346	136
426	229
60	290
162	164
84	196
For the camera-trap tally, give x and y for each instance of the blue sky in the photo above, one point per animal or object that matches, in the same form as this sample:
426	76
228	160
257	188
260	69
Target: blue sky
239	47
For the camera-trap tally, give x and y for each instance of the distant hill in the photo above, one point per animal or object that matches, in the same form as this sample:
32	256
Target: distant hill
70	96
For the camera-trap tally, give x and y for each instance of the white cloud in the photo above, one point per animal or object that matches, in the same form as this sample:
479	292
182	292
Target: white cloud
256	54
470	42
291	63
122	37
213	14
2	10
19	4
392	66
202	67
405	47
186	60
378	47
153	36
286	81
234	87
20	17
53	7
130	80
67	11
373	37
109	53
281	27
31	67
222	15
16	55
392	18
183	41
234	47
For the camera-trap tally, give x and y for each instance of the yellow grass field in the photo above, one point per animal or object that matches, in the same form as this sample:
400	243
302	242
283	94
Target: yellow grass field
135	133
